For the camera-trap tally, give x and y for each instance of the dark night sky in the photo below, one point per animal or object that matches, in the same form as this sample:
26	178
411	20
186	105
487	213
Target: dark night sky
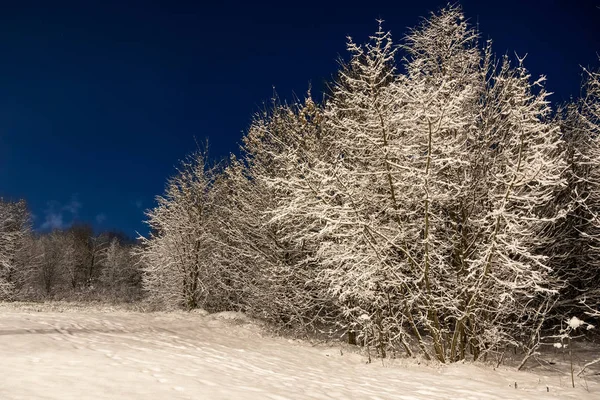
99	100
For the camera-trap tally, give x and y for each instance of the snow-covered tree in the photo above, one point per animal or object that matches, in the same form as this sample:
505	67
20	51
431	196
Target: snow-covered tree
14	228
488	160
118	266
276	274
428	206
54	257
178	266
89	248
415	207
440	159
370	205
510	281
576	245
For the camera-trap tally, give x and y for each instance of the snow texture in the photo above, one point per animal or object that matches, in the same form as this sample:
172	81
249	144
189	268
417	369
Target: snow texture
125	355
575	323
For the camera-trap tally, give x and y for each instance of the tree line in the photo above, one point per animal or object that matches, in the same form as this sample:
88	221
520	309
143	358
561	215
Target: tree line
434	203
74	263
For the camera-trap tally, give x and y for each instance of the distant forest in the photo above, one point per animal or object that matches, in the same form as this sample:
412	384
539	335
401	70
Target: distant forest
435	203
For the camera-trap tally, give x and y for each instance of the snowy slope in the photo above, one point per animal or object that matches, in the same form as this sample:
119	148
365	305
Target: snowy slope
127	355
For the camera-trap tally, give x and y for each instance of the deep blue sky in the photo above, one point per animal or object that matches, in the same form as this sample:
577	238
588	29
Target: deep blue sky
99	99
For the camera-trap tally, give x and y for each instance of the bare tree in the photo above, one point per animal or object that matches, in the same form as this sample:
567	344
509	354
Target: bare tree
55	256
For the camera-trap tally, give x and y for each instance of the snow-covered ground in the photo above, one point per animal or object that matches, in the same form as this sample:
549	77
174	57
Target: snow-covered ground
100	354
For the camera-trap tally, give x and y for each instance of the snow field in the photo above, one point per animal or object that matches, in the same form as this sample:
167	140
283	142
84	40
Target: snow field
128	355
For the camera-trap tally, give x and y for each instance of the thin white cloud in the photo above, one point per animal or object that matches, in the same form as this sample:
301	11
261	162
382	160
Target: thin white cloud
72	206
100	218
57	214
53	221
